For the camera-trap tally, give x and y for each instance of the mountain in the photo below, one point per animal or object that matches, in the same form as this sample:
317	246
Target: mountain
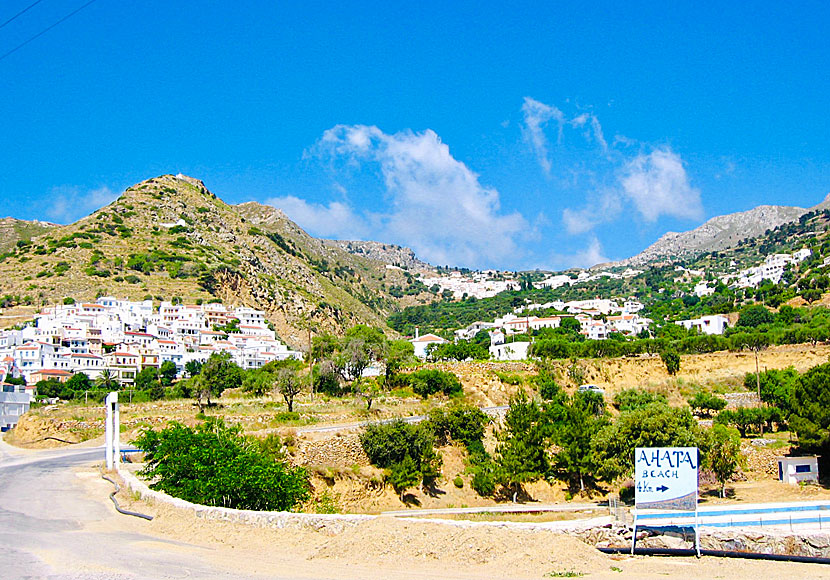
390	254
13	230
169	237
718	233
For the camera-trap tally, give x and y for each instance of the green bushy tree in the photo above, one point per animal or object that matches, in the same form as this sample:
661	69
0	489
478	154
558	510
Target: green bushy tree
213	464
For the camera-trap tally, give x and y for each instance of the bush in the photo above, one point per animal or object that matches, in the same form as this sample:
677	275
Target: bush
462	423
484	479
403	449
629	399
458	482
427	382
704	403
215	465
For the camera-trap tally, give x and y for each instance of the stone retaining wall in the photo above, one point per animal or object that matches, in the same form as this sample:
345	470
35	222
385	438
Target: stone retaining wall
811	544
342	451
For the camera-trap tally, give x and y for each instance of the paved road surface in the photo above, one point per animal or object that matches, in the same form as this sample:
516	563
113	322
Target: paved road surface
51	527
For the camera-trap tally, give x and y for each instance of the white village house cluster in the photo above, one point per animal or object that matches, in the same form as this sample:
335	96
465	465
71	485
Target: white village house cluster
597	317
124	337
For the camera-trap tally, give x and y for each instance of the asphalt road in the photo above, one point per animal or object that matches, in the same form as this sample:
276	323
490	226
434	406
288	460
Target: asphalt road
52	527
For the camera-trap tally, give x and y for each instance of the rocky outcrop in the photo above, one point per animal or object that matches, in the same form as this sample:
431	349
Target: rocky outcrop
389	254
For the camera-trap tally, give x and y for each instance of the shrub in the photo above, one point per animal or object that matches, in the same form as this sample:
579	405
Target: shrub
629	399
458	482
462	423
704	403
215	465
404	449
484	479
427	382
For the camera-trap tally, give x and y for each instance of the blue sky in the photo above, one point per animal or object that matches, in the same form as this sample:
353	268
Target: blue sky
516	135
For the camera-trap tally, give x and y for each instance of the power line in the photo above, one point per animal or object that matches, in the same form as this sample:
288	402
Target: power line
45	30
21	12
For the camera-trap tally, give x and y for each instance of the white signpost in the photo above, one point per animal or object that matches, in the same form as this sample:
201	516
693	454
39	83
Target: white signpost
112	431
666	478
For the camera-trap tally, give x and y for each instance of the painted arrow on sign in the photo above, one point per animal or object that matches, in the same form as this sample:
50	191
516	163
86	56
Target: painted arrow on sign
662	488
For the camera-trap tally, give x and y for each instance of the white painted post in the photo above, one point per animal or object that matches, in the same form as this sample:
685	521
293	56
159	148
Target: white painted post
112	430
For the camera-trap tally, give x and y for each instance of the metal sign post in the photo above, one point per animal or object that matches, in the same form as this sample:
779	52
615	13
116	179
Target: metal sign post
666	478
112	431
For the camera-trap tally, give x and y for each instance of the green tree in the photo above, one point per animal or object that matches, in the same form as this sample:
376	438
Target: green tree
399	353
216	465
522	443
149	381
671	359
193	367
168	372
754	315
575	423
724	454
464	424
810	417
287	382
426	382
218	373
756	342
388	445
362	346
107	381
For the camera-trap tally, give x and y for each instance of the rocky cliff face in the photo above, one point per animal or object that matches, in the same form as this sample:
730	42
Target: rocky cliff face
389	254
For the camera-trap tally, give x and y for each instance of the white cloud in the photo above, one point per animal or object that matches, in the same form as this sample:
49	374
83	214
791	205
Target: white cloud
335	220
437	205
657	184
69	203
590	256
536	117
605	209
590	121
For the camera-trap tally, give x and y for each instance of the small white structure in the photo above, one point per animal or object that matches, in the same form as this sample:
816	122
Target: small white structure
794	470
509	351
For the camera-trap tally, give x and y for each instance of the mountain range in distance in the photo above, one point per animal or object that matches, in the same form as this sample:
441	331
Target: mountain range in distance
717	234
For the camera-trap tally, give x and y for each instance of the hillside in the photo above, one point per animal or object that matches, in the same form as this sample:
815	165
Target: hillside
169	237
719	233
13	230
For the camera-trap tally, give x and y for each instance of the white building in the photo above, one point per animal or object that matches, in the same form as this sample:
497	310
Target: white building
509	351
422	344
712	324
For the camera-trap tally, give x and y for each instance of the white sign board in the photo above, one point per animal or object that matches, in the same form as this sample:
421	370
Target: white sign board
666	478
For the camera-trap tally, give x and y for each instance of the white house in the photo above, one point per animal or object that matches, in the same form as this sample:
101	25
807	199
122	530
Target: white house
422	343
712	324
